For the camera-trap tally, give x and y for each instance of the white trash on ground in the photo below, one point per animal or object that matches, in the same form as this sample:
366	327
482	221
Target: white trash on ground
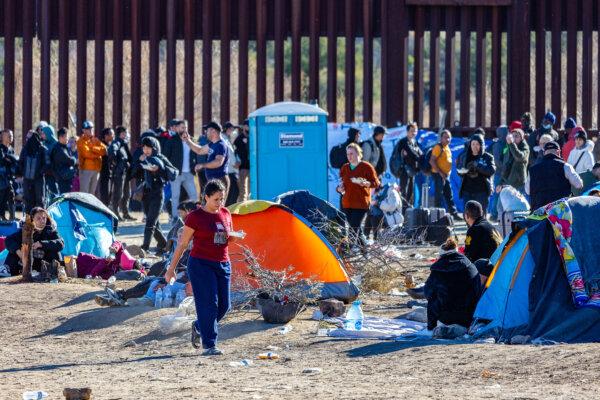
39	395
181	320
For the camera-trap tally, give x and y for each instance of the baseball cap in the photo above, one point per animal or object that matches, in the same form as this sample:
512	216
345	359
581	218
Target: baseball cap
214	125
228	125
174	122
551	146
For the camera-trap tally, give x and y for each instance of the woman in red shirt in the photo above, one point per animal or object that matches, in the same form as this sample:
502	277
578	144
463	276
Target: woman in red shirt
358	178
209	269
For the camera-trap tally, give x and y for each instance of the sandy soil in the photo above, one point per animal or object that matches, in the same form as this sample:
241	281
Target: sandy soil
55	336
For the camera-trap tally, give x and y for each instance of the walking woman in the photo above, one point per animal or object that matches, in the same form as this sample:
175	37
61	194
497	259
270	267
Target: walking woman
358	178
209	268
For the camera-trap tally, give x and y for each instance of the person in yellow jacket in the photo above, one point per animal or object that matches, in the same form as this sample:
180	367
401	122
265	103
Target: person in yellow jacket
90	151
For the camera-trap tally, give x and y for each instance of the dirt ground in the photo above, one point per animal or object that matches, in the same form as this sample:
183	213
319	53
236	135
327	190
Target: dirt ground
55	336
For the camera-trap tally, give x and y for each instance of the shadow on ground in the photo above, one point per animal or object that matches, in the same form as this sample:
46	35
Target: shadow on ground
51	367
98	318
80	299
382	348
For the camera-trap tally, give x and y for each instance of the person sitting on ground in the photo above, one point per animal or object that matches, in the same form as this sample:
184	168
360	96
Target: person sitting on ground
510	200
482	238
452	289
46	243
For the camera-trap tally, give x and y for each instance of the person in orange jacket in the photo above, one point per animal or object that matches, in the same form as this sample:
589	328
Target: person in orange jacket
90	151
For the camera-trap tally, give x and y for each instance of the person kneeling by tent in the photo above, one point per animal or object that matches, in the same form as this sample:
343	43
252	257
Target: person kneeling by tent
452	289
46	243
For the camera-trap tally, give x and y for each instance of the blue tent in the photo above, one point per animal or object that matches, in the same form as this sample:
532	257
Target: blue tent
84	223
528	292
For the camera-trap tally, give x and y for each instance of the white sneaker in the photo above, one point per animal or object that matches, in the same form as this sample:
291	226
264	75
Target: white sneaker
4	271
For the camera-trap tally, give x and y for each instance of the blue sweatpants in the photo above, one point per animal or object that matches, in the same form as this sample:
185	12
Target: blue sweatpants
211	285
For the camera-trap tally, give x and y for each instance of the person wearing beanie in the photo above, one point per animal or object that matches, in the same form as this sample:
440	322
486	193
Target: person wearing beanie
581	157
551	179
476	172
373	151
515	161
452	288
481	239
546	128
526	125
485	268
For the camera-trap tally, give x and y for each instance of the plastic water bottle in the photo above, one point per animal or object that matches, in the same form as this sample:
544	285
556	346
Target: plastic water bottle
39	395
168	294
180	296
158	299
354	317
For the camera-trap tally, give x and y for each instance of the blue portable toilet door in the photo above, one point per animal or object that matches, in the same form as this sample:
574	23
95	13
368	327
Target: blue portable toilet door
292	157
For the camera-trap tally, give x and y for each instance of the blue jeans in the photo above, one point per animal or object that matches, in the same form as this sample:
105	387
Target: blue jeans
442	187
211	285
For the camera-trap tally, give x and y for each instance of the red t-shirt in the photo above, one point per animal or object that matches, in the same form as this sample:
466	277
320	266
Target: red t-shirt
210	234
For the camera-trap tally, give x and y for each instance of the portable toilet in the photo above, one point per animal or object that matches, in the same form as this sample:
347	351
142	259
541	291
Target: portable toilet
288	150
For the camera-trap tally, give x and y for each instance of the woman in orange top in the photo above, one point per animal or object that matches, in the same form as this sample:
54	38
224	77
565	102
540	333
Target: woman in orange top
358	178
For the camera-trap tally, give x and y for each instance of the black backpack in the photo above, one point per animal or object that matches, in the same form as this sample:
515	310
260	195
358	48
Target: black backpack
337	156
170	171
396	161
424	161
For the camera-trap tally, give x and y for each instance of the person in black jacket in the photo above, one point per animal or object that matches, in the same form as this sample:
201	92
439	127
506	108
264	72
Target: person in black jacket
119	159
242	154
476	170
157	171
482	238
410	152
63	163
185	160
47	243
452	289
8	170
33	165
104	181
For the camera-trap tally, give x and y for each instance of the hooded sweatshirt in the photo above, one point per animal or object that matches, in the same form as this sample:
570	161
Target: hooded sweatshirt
515	164
452	290
480	168
582	158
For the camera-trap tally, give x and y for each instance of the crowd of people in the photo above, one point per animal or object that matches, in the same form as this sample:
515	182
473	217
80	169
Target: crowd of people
52	163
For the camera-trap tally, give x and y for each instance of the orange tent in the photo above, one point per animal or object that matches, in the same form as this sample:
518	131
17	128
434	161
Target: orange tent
280	238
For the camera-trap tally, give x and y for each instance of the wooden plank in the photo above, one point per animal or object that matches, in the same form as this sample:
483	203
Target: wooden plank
99	61
586	77
188	82
225	16
207	29
332	61
9	65
496	78
434	69
349	73
153	62
480	80
571	61
261	53
540	61
279	50
136	70
450	67
45	61
243	61
27	20
296	48
313	51
418	66
465	66
117	63
556	59
81	63
171	60
368	60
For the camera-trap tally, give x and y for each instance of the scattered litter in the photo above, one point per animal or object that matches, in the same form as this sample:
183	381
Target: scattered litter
77	394
268	356
35	395
332	308
489	340
317	315
284	330
312	370
273	348
487	374
409	281
393	252
418	314
130	343
417	256
397	292
243	363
